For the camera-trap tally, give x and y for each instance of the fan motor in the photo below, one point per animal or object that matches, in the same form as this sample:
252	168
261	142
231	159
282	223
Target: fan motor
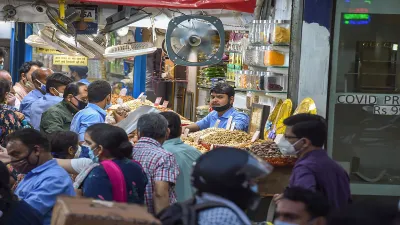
9	11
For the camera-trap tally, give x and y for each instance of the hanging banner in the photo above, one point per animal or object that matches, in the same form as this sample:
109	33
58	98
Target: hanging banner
50	51
90	22
70	60
236	5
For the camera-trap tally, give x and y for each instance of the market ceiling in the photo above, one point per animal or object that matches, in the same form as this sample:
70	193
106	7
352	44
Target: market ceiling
237	5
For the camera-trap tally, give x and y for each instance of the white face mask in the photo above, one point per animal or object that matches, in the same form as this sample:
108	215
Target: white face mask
278	222
286	147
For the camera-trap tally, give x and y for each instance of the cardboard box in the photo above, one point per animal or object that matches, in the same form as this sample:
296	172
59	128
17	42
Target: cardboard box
84	211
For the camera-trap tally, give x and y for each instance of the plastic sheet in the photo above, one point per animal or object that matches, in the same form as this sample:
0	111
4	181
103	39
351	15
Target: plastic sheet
237	5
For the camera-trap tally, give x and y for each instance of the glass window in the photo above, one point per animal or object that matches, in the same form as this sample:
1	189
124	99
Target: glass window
364	100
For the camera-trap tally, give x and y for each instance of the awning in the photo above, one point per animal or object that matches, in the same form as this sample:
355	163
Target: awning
237	5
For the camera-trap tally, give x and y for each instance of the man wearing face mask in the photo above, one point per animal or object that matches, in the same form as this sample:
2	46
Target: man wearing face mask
25	84
45	180
79	74
99	95
59	116
40	78
12	100
55	87
299	206
314	170
222	97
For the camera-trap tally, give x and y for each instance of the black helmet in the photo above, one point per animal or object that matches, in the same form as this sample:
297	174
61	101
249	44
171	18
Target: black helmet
230	173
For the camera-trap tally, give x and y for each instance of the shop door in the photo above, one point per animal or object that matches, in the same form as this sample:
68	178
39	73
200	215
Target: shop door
364	98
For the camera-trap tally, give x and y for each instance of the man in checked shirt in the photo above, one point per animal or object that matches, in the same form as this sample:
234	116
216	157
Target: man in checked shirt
159	165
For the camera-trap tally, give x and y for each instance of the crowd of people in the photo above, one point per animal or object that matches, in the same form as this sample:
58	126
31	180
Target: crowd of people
54	141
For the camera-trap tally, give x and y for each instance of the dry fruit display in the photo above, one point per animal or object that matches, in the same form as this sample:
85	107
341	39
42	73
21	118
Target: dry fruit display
269	151
223	137
123	110
134	104
114	99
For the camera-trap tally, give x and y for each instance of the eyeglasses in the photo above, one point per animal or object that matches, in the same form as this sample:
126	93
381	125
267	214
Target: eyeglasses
290	137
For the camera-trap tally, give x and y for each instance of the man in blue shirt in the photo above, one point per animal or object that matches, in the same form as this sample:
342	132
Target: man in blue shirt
45	180
222	97
39	79
55	87
99	95
79	74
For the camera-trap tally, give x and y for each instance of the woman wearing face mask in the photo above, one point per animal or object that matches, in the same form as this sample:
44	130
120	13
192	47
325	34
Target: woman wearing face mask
59	116
113	169
9	121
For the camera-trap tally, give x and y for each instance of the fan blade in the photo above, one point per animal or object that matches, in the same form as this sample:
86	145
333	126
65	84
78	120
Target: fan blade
202	28
183	53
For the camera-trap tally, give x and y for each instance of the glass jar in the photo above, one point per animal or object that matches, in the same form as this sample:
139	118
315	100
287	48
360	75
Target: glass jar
250	80
252	31
238	76
265	28
257	56
275	57
275	82
243	79
280	32
262	77
249	56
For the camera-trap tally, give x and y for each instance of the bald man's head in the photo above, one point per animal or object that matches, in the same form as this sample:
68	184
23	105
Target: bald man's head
39	78
4	74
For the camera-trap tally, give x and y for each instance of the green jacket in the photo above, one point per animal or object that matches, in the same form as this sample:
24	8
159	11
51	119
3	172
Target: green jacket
57	118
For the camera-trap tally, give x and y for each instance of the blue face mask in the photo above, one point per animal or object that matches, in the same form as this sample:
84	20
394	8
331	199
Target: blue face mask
278	222
108	106
1	67
42	86
93	157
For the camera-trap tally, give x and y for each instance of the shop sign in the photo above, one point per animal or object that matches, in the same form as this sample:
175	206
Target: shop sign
70	60
382	104
50	51
356	99
90	25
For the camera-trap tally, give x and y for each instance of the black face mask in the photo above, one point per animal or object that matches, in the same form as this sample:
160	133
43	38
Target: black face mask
221	108
81	105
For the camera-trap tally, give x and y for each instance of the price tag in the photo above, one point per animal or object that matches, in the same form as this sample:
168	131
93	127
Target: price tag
255	136
185	134
228	124
217	123
120	101
165	104
233	126
141	94
197	140
143	98
212	147
123	92
158	101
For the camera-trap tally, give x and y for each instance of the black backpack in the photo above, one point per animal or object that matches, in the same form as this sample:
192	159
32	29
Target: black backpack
185	213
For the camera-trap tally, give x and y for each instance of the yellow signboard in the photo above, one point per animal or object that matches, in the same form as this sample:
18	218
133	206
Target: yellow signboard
70	60
48	51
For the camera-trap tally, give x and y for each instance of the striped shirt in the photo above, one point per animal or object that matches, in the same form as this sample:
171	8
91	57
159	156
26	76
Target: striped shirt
159	165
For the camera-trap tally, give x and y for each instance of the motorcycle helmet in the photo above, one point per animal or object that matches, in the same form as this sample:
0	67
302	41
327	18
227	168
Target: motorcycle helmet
232	174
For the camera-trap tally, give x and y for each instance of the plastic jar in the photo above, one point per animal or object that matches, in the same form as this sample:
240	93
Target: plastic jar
273	57
275	82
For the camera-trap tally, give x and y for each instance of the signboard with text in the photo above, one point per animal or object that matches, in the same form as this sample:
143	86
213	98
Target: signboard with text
70	60
382	104
90	19
50	51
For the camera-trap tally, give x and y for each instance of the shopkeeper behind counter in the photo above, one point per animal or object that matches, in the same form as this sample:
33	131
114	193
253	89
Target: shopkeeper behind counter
222	97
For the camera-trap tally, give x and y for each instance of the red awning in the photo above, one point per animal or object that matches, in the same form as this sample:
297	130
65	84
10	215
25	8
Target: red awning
237	5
